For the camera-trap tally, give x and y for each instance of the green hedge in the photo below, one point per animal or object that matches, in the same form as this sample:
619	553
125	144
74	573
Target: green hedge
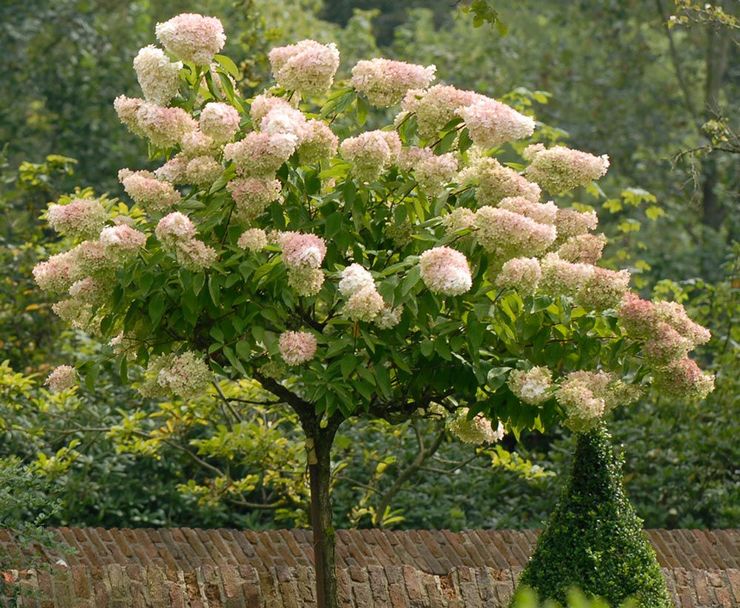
594	539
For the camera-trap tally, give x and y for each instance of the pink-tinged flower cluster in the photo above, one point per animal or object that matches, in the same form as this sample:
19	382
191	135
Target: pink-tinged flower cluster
302	250
521	274
285	120
186	375
297	347
431	171
364	303
149	192
91	291
458	219
174	170
159	78
603	289
445	271
192	37
495	182
78	313
584	248
371	153
56	274
307	67
587	396
203	171
476	430
385	82
563	278
492	123
127	108
164	127
532	386
254	239
219	121
252	195
196	143
560	169
389	317
263	104
683	379
571	222
260	154
435	107
668	334
306	281
506	234
80	218
61	378
177	234
543	213
318	142
91	258
122	241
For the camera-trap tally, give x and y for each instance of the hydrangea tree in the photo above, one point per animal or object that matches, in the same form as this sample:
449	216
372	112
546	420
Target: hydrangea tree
406	270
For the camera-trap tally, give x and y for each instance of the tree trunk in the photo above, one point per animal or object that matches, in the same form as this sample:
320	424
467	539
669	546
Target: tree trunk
318	445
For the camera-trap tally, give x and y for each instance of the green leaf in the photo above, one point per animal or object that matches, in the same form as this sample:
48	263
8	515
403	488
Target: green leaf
228	65
156	308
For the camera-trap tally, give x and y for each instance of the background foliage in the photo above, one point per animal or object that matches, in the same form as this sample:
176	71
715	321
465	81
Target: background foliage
657	93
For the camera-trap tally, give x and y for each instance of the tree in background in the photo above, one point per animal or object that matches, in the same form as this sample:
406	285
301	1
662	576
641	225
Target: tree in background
387	277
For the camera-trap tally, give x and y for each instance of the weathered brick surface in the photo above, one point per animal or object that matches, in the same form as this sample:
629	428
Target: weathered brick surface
186	568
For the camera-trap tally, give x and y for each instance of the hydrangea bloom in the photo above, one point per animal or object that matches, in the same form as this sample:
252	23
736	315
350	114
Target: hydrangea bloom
260	154
81	218
127	108
219	121
302	250
195	255
305	280
531	386
173	229
355	277
297	347
584	248
77	313
683	379
522	274
571	222
431	171
158	77
318	142
90	290
307	67
186	375
492	123
665	345
284	120
563	278
587	396
506	234
364	304
561	169
252	195
149	192
385	82
173	170
543	213
477	430
675	315
264	104
458	219
371	153
203	170
388	317
445	271
603	289
253	239
56	274
196	143
637	316
435	107
192	37
61	378
495	182
122	240
92	258
164	127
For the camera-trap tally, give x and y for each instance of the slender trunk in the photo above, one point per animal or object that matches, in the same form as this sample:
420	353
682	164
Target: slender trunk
318	444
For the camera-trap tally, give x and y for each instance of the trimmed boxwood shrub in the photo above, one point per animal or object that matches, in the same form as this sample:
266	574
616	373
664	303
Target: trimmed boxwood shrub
594	539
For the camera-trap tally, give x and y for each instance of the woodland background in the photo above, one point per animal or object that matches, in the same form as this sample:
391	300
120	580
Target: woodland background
651	83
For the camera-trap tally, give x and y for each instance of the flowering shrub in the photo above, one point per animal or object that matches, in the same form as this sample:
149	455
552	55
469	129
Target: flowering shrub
383	272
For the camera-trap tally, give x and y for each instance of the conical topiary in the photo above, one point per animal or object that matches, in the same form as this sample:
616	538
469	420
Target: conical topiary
594	539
